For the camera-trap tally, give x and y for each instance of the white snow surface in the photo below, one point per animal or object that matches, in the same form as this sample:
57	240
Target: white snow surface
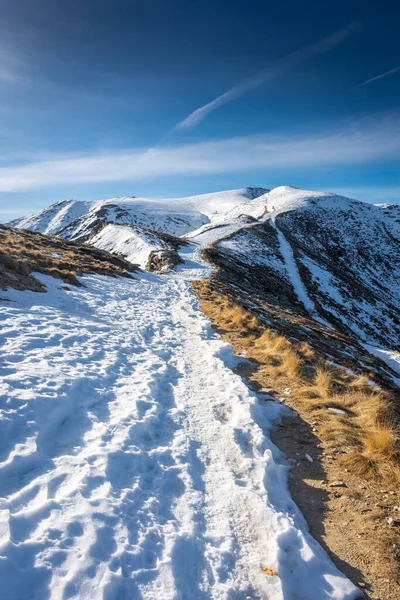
285	198
134	243
134	464
390	357
211	233
176	216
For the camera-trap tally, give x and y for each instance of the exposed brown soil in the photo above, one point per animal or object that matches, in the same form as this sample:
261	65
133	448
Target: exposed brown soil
24	252
346	515
355	515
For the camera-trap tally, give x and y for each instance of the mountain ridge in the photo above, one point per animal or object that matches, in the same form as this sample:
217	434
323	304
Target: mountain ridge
73	218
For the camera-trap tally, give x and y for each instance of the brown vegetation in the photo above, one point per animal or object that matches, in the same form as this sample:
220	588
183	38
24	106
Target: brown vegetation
355	413
347	423
24	252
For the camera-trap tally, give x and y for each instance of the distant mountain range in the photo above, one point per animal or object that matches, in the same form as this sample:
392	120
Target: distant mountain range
78	220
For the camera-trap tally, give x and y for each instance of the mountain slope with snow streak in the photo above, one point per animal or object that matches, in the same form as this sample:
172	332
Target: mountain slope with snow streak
134	462
349	255
341	257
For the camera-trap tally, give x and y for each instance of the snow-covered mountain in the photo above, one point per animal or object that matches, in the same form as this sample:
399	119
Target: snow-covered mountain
340	257
77	220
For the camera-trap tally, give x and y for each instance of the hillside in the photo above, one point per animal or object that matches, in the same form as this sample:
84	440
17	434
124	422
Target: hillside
323	256
304	286
25	254
319	256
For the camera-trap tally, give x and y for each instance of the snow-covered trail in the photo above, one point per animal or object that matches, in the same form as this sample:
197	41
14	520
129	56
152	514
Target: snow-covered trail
134	464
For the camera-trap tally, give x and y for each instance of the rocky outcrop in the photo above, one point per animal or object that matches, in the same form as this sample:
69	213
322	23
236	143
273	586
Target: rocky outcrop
163	261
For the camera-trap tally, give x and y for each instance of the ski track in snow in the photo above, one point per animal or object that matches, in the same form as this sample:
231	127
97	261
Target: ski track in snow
134	464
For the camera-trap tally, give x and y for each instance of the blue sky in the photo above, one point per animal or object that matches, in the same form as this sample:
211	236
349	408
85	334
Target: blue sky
101	99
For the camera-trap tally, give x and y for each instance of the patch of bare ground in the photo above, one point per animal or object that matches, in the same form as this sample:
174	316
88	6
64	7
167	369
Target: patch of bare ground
343	442
25	252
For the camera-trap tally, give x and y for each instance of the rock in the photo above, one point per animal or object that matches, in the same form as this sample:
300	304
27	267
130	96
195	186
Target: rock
163	261
336	484
308	457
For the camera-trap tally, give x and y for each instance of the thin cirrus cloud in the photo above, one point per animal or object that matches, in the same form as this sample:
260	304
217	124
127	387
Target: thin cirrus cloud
363	143
284	64
12	67
381	76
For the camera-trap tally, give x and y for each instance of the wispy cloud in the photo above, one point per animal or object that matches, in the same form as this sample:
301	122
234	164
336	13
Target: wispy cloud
381	76
284	64
365	142
12	66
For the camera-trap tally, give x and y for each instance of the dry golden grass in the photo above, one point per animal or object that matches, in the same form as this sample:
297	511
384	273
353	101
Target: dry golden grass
323	380
306	350
366	432
360	382
381	442
289	367
236	316
25	252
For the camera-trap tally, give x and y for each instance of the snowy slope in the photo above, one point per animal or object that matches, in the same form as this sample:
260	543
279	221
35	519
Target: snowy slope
219	203
176	216
341	257
133	462
134	243
222	228
349	256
